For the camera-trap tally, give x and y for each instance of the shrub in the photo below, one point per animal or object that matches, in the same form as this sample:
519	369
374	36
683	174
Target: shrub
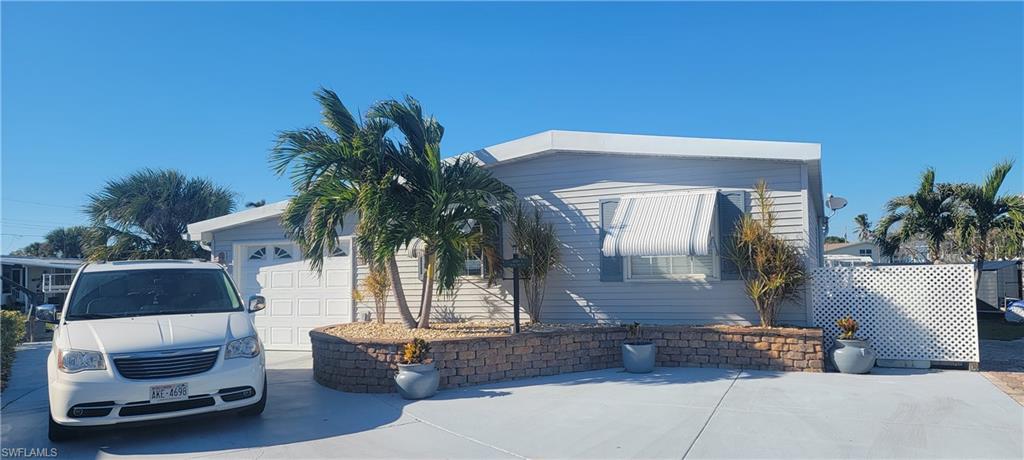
772	270
538	242
12	332
378	285
634	334
415	352
848	326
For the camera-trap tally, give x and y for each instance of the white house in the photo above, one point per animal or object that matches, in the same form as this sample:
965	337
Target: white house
641	220
856	253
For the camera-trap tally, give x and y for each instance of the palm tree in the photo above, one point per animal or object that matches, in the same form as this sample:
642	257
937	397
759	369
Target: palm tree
144	215
863	227
452	204
336	174
927	213
983	212
68	242
888	243
37	249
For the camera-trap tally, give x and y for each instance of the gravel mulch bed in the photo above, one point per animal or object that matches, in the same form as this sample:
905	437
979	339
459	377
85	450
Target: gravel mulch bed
395	331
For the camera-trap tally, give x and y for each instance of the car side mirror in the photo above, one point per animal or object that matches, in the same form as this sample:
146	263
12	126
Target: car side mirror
257	303
46	313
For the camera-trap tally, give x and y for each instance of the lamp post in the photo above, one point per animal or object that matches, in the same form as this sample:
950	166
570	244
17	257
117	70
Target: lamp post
515	291
515	263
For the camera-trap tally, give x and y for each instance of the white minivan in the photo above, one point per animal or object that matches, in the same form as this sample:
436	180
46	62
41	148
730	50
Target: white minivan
146	340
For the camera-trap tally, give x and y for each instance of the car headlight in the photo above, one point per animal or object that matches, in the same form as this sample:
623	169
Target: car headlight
72	361
246	347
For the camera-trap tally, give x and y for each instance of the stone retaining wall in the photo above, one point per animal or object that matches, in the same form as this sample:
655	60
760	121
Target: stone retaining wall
362	366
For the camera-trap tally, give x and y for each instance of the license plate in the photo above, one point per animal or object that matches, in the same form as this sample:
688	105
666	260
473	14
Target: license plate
160	393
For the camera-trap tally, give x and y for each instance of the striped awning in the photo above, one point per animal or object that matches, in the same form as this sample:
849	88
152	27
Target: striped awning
673	224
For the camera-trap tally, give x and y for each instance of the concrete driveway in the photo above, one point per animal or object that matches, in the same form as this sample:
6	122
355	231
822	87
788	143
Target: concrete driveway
673	413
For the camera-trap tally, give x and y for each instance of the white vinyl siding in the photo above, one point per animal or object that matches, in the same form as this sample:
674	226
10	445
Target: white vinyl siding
569	188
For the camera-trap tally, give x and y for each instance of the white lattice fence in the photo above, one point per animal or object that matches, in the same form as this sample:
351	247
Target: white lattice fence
908	312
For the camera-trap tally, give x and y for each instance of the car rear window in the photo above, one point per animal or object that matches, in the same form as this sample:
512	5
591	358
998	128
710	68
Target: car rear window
121	293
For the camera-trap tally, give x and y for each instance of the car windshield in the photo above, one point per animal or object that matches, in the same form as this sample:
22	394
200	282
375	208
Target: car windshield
123	293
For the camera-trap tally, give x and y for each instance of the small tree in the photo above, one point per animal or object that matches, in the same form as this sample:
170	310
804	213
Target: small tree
772	270
537	241
378	285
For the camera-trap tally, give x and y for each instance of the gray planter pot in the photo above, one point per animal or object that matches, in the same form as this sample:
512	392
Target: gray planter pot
853	356
417	381
638	358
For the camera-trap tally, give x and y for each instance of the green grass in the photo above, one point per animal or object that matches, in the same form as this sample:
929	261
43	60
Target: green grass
994	327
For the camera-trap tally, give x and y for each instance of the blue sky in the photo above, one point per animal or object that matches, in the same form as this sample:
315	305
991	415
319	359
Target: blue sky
94	91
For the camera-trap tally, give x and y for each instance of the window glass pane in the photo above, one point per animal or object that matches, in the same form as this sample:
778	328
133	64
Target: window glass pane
659	267
472	267
641	267
662	266
281	253
703	265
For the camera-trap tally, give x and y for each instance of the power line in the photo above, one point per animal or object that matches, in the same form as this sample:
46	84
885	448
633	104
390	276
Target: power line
16	224
30	221
43	204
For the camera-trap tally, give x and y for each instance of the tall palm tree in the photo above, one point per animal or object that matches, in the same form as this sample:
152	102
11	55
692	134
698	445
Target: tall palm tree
983	212
927	213
863	227
452	205
336	174
144	215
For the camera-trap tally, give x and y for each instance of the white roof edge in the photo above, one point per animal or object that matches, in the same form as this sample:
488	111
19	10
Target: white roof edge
42	262
636	144
267	211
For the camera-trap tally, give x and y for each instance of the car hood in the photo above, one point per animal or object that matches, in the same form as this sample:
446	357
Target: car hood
154	333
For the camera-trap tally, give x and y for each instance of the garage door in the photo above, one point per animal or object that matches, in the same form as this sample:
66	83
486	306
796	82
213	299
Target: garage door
297	298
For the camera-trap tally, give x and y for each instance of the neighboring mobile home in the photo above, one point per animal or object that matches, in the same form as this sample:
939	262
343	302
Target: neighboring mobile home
1000	280
29	281
641	219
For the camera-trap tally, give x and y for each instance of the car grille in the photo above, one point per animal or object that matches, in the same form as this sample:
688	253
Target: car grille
174	406
158	365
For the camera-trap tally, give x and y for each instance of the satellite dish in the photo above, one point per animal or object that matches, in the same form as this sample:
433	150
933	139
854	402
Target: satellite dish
836	203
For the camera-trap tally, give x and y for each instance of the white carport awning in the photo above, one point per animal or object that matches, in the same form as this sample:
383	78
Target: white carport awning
669	224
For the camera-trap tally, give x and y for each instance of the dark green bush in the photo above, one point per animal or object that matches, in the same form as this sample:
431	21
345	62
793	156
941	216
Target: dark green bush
12	332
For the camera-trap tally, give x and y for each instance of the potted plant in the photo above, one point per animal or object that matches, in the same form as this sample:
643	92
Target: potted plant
852	355
416	379
637	353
